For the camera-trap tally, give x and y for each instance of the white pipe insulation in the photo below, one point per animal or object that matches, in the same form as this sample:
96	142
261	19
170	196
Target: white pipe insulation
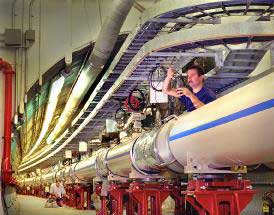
236	129
101	52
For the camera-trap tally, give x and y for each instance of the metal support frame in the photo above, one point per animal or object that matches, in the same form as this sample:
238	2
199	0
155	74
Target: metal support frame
187	21
83	196
144	195
98	190
117	194
139	197
219	197
71	192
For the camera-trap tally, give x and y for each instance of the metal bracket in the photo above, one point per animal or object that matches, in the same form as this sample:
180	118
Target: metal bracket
196	166
134	174
167	119
112	177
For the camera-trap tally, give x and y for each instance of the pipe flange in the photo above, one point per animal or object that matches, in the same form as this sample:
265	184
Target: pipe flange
134	165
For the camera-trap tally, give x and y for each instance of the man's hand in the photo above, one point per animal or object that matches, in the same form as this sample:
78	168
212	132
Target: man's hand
170	73
184	91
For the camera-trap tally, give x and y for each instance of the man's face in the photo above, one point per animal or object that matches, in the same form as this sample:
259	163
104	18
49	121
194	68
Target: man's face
193	78
58	183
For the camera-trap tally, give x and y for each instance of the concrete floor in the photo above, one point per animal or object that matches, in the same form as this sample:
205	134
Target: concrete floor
29	205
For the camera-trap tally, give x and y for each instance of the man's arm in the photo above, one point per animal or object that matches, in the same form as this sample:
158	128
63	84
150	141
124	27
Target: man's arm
195	101
167	82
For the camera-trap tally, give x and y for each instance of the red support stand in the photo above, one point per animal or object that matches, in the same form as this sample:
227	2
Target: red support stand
83	196
103	210
147	198
179	200
219	197
117	194
71	192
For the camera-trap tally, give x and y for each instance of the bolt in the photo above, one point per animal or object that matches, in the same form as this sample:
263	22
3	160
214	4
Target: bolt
203	187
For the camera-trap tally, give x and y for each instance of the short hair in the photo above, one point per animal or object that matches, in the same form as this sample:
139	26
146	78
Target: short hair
200	70
58	180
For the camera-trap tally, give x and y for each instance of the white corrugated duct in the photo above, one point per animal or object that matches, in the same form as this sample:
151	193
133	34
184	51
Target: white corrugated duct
103	47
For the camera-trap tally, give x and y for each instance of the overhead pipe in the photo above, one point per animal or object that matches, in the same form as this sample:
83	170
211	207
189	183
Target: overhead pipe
6	160
101	52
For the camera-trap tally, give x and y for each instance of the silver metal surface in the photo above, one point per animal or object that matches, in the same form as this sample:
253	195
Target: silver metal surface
143	154
236	129
166	9
100	164
118	159
84	171
48	178
181	144
162	148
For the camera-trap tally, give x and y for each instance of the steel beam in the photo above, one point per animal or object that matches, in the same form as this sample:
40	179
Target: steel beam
187	21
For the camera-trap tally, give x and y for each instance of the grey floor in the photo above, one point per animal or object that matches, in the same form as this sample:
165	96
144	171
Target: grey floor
29	205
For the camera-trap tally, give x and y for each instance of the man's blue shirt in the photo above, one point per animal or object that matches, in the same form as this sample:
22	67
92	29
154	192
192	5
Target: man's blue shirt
205	95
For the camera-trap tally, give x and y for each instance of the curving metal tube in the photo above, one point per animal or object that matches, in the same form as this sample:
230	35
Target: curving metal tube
103	47
236	129
118	158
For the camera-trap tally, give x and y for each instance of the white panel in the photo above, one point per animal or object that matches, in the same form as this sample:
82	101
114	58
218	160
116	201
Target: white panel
156	96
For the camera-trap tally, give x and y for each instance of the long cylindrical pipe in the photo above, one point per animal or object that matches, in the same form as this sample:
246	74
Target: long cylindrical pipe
103	47
6	161
236	129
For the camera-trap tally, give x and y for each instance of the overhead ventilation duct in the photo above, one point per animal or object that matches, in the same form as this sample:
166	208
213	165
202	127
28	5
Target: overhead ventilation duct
103	47
101	52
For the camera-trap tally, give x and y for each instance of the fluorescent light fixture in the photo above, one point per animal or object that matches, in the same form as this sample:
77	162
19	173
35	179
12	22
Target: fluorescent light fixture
115	86
79	90
45	150
55	90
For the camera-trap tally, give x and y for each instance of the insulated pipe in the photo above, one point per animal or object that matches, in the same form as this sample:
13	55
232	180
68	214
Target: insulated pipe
103	47
6	163
236	129
118	157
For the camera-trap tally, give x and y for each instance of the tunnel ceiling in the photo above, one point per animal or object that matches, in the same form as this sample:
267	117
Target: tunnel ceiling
164	39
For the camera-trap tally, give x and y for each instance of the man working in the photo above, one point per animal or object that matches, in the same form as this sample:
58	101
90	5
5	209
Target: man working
195	98
57	191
